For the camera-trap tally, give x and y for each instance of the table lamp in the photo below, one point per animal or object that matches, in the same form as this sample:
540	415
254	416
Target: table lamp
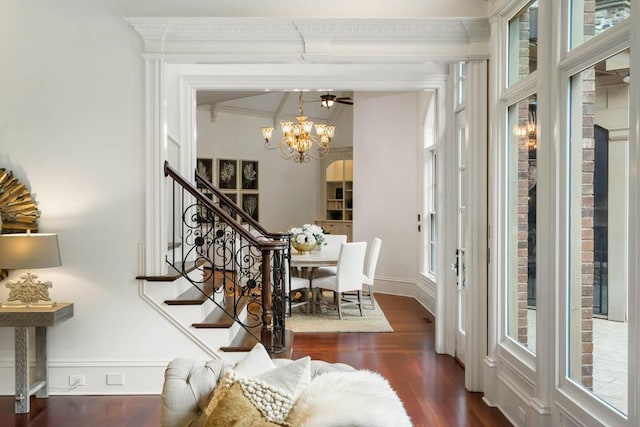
29	251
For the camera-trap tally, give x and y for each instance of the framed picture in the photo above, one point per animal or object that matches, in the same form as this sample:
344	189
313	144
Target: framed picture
227	174
249	170
205	168
227	208
232	196
250	204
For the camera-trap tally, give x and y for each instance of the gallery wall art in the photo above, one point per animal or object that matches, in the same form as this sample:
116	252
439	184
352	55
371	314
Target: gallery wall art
239	180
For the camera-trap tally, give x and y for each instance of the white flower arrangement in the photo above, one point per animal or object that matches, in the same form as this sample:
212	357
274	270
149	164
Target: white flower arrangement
308	233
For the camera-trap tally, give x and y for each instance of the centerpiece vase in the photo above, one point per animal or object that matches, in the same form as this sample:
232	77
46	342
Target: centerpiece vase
303	248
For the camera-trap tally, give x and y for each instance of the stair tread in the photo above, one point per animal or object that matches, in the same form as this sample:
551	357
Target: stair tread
195	296
244	341
173	273
218	318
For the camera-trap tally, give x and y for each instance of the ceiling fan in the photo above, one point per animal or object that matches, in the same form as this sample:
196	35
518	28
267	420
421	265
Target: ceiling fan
329	99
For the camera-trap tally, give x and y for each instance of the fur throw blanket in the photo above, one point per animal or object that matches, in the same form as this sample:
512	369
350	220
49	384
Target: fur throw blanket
356	399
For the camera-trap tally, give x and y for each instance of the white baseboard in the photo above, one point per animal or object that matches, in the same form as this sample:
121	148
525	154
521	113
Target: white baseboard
137	377
424	291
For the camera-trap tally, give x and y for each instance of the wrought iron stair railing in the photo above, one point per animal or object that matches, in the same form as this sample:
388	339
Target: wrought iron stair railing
252	225
218	240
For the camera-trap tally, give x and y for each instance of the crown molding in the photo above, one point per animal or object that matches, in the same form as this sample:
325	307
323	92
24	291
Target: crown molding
311	39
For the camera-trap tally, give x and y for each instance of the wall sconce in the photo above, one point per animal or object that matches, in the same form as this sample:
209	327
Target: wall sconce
29	251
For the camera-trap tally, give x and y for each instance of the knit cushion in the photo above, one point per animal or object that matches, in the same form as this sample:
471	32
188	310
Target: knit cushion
264	399
230	406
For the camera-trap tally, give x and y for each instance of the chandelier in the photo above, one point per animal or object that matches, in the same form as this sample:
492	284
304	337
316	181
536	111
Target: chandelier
529	129
298	140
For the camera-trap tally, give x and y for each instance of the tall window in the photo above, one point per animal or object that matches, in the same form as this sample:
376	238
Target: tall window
521	222
521	180
598	229
430	191
523	43
431	170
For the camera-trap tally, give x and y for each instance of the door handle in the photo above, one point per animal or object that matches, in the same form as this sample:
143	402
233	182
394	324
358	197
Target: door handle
454	266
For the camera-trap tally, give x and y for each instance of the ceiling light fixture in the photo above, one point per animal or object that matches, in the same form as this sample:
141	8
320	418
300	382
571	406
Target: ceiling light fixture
327	100
297	139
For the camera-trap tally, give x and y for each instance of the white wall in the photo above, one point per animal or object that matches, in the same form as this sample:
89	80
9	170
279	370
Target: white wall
71	128
387	128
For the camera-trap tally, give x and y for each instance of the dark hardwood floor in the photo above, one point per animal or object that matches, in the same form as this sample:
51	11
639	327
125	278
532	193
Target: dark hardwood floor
430	385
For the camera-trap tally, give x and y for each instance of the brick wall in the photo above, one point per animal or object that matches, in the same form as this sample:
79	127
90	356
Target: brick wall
588	241
523	188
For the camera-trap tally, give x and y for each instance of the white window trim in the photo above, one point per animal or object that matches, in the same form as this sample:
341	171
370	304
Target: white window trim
585	405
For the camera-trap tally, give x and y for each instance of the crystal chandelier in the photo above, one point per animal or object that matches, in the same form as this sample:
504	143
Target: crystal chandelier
298	140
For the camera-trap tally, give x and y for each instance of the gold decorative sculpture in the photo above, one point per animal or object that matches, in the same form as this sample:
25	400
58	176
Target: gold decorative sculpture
18	211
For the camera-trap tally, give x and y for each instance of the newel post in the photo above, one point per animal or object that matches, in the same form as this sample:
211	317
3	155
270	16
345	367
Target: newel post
265	334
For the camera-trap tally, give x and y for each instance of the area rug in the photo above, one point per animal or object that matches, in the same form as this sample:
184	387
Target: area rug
327	321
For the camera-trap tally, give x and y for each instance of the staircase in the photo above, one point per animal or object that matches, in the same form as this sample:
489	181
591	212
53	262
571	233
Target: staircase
226	274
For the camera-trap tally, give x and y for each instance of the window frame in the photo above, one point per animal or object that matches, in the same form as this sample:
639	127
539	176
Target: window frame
576	60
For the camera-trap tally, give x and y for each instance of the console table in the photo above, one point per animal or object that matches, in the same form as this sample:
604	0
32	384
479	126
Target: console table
22	318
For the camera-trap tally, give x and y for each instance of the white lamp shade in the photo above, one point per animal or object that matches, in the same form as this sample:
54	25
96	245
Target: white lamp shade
27	251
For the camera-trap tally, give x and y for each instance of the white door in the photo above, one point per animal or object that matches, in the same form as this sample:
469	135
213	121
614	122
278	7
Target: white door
461	234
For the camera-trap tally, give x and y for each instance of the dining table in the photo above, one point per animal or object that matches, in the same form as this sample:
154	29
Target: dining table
314	259
306	264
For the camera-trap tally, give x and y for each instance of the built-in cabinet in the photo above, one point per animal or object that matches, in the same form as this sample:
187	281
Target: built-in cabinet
337	182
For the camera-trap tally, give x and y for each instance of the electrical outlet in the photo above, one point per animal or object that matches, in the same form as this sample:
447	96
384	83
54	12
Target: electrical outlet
77	380
115	379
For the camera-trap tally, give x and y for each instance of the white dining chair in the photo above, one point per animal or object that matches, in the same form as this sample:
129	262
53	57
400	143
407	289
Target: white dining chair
293	284
370	264
298	284
348	276
333	242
